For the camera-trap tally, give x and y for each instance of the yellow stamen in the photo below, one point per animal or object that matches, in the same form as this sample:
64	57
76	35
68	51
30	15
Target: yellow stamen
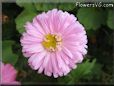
51	42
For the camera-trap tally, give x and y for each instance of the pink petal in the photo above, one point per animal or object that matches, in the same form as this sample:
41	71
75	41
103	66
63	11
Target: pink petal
67	52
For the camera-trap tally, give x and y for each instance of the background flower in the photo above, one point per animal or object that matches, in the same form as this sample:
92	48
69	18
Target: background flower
8	74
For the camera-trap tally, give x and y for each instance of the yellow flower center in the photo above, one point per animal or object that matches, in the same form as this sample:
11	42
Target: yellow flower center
51	42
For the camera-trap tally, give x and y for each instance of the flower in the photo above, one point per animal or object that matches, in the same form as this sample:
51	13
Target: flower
8	74
54	42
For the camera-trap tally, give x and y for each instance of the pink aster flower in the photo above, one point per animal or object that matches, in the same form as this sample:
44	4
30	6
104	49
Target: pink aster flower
8	74
54	42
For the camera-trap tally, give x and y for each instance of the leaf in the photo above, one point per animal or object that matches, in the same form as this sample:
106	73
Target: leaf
49	6
91	18
95	74
24	17
20	3
110	20
81	71
8	55
22	62
66	6
44	6
26	5
65	79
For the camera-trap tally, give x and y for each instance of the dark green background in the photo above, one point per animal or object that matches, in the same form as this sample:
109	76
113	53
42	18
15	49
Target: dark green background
98	64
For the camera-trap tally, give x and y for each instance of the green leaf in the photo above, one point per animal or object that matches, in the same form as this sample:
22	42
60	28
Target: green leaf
8	55
49	6
110	20
94	75
26	15
91	18
81	71
66	6
44	6
20	3
26	5
23	18
65	79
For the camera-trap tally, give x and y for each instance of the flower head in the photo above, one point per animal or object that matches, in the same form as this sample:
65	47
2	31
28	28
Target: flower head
8	74
54	42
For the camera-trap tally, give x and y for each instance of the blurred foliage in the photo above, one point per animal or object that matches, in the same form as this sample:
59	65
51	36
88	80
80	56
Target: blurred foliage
26	15
23	18
8	55
81	71
91	18
110	21
49	6
98	22
45	6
